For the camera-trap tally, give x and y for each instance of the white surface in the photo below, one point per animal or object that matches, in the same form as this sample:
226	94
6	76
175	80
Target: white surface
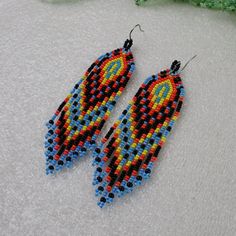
45	48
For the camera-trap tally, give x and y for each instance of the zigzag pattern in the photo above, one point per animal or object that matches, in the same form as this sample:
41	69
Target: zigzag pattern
127	153
79	119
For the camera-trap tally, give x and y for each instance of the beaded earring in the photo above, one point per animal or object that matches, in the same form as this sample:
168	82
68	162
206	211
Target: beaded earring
79	119
127	153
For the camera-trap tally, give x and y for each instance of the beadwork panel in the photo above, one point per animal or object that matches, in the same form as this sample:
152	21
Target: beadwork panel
78	121
45	49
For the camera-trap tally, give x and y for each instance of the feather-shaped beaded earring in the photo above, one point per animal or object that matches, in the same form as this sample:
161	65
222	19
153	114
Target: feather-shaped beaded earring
126	154
79	119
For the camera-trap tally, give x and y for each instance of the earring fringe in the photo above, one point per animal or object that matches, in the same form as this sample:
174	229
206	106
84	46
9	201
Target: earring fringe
126	155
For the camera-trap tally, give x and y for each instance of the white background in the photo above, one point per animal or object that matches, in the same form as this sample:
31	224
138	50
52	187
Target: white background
44	50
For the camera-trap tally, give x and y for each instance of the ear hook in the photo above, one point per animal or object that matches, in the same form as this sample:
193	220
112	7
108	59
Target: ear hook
130	33
129	42
188	62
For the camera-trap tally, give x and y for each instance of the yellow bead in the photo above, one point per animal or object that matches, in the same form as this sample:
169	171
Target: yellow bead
76	132
119	167
165	124
154	145
163	139
141	140
145	152
133	145
128	163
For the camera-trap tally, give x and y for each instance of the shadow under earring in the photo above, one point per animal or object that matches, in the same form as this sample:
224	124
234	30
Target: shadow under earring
127	153
78	121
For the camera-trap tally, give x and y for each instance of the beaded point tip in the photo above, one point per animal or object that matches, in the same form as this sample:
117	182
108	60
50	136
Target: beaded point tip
127	153
77	122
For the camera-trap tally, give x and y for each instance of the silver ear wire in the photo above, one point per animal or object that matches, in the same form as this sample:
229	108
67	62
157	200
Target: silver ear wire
188	62
129	42
130	33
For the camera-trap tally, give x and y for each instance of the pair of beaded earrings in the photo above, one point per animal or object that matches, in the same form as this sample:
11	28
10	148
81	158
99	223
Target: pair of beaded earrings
125	156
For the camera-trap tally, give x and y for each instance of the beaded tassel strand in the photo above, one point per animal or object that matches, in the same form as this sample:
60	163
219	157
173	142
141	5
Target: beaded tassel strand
79	119
127	153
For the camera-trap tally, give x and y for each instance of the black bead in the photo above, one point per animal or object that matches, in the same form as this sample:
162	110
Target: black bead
105	109
99	169
163	73
99	179
124	112
82	122
83	149
50	158
121	188
126	155
50	140
175	66
68	159
125	139
75	103
124	121
129	57
147	171
75	95
175	62
51	168
74	111
135	152
75	153
98	113
75	118
50	131
60	162
97	150
51	122
103	199
179	106
113	103
111	195
128	44
50	149
129	184
97	159
100	188
139	177
143	146
151	141
75	128
92	142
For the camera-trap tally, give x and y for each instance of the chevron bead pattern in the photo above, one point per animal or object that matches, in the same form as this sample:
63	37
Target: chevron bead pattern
126	155
79	119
